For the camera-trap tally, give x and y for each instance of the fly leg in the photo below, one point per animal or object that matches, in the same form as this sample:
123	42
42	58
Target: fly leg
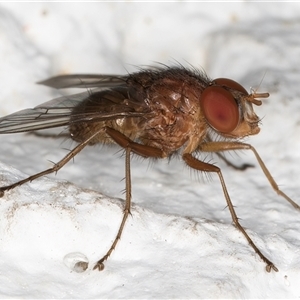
206	167
55	168
228	146
242	167
142	150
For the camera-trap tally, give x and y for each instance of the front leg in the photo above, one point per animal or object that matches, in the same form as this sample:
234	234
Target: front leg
206	167
228	146
242	167
228	162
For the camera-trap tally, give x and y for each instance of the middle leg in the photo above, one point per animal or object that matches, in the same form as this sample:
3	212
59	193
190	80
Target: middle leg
142	150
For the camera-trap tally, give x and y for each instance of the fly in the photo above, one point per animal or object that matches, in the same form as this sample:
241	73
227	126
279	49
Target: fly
153	113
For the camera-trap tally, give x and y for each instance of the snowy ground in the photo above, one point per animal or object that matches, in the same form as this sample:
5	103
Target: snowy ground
179	242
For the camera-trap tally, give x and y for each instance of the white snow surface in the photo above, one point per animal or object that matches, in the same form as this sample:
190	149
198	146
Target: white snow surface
179	241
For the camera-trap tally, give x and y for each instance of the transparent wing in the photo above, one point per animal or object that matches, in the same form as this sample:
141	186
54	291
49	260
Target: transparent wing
50	114
94	105
84	81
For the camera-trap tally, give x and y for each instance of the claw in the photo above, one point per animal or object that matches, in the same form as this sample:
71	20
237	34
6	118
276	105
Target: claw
271	266
99	266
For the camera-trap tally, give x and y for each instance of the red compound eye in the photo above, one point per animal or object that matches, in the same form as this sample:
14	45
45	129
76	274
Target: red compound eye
231	84
219	108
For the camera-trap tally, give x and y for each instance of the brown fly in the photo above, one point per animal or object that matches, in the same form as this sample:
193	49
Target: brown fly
152	113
